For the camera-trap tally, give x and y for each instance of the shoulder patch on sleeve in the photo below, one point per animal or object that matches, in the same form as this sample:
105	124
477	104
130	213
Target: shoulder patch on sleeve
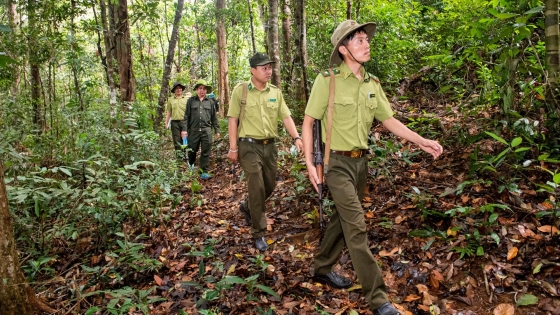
374	78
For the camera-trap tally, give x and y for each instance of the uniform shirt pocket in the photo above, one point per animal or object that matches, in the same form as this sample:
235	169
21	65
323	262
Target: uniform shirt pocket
343	108
252	109
272	103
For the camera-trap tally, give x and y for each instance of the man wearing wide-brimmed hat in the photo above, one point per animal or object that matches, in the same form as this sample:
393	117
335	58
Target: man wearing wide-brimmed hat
358	99
175	112
200	118
255	147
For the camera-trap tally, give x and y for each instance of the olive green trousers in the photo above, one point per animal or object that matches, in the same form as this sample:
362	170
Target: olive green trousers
259	164
346	179
200	139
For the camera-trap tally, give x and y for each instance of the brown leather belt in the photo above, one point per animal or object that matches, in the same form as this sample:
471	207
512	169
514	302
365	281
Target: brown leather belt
353	154
257	141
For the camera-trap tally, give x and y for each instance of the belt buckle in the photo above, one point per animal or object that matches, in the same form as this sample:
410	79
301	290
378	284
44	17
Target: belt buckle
355	154
265	141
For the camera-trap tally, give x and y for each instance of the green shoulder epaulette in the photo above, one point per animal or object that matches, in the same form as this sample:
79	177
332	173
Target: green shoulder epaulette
327	73
376	79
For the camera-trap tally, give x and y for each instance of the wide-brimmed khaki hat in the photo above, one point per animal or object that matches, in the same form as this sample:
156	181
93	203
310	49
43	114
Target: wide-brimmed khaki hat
340	33
175	85
200	82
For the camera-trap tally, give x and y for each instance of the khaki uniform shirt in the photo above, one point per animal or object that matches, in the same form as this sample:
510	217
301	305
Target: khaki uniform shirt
262	110
356	104
176	106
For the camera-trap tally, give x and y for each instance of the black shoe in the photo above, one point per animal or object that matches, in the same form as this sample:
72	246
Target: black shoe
260	244
246	212
334	280
386	309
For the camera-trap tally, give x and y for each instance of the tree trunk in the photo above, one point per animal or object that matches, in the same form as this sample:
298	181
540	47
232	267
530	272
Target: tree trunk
108	64
168	63
552	49
124	53
16	295
348	9
34	69
273	45
221	42
286	42
11	10
357	9
300	60
75	56
252	26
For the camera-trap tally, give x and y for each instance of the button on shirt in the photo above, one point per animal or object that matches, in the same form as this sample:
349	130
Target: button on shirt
262	110
356	104
176	106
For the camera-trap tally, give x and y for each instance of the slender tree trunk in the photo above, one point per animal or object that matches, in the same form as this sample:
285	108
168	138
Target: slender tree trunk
11	10
300	60
286	42
168	63
16	295
74	62
273	45
221	42
178	63
34	69
552	49
348	9
109	57
252	26
124	53
357	5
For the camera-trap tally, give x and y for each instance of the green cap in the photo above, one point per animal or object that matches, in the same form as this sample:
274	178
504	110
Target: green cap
176	84
200	82
344	29
259	59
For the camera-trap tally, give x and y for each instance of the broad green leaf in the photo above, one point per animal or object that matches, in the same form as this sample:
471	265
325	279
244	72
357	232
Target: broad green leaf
522	149
505	16
527	299
537	268
233	279
535	10
515	142
65	171
421	233
495	237
4	60
479	251
267	290
493	217
5	28
497	137
353	312
556	178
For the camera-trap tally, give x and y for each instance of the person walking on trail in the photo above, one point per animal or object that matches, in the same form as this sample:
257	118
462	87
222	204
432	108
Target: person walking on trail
200	117
174	119
257	105
358	99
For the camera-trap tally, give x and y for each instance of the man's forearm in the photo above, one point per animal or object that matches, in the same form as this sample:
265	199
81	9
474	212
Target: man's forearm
290	126
399	129
307	137
232	130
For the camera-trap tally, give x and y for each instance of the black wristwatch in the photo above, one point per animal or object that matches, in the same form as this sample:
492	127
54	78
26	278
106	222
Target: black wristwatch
295	139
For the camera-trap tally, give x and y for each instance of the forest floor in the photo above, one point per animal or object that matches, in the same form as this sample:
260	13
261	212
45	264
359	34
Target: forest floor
210	264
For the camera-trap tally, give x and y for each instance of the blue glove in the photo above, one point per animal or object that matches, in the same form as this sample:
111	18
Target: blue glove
211	95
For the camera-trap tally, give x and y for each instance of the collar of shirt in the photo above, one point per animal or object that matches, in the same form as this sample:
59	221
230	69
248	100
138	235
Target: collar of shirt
250	86
346	72
175	96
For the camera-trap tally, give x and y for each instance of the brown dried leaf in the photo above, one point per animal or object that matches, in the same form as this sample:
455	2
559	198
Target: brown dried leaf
504	309
158	280
548	229
412	297
384	253
512	253
435	278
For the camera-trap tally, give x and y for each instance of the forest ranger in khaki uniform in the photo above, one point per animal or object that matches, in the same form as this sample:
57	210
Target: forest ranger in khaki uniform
358	100
255	147
175	113
200	118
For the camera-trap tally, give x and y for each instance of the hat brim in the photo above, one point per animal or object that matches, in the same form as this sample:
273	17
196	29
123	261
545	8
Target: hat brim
208	87
369	28
263	63
177	85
